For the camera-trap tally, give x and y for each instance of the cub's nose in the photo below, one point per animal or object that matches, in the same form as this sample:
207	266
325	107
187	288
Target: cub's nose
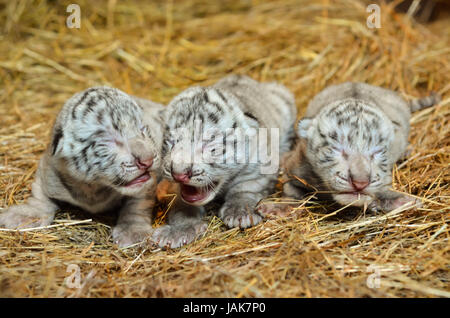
359	185
182	177
144	163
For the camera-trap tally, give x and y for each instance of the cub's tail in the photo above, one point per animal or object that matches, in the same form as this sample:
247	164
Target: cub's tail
421	103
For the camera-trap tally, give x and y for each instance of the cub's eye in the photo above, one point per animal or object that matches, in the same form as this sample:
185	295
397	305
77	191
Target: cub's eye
341	151
118	142
145	131
344	154
211	138
341	177
377	152
208	139
213	149
170	143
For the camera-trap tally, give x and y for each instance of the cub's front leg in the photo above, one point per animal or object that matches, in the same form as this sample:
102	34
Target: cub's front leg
134	224
38	211
241	200
389	200
184	224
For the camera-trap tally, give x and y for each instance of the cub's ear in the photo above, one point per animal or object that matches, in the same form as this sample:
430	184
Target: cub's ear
303	126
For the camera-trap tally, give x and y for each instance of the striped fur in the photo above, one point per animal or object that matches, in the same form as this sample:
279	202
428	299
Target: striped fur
350	138
91	163
421	103
234	102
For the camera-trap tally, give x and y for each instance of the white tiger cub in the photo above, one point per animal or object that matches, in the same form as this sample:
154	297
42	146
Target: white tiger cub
104	155
232	176
349	140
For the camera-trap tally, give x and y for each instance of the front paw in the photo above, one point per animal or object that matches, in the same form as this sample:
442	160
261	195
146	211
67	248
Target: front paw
126	235
22	217
236	215
274	208
174	236
291	190
386	205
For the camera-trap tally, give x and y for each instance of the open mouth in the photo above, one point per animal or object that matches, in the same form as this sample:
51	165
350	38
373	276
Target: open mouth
193	194
143	178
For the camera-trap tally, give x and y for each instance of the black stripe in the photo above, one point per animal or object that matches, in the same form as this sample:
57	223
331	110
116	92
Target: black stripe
77	164
100	116
115	126
282	97
78	139
217	106
322	135
86	93
396	123
89	106
56	138
201	117
251	116
205	97
65	183
212	117
225	100
354	92
333	135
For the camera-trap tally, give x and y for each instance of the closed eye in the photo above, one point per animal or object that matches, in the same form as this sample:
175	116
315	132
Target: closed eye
145	131
376	178
344	154
215	137
341	177
118	142
377	152
341	151
208	140
214	149
170	143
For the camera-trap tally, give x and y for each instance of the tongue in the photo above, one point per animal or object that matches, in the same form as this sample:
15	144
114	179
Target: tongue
141	179
192	194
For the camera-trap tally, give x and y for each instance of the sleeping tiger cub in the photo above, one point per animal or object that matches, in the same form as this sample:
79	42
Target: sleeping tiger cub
211	150
104	154
349	140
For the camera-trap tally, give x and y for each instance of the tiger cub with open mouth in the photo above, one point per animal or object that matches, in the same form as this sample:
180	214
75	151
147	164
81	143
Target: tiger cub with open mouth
222	144
104	154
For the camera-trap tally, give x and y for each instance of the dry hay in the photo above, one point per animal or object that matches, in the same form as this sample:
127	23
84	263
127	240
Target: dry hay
156	49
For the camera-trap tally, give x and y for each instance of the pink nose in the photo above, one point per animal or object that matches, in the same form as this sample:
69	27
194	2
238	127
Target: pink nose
182	177
360	185
144	163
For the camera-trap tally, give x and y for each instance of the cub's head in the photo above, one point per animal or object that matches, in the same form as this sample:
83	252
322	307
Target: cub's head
201	148
348	146
102	136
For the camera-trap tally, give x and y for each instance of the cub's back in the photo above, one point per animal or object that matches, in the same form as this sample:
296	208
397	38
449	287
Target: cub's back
271	104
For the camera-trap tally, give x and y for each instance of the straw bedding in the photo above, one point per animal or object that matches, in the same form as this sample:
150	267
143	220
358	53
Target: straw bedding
155	50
